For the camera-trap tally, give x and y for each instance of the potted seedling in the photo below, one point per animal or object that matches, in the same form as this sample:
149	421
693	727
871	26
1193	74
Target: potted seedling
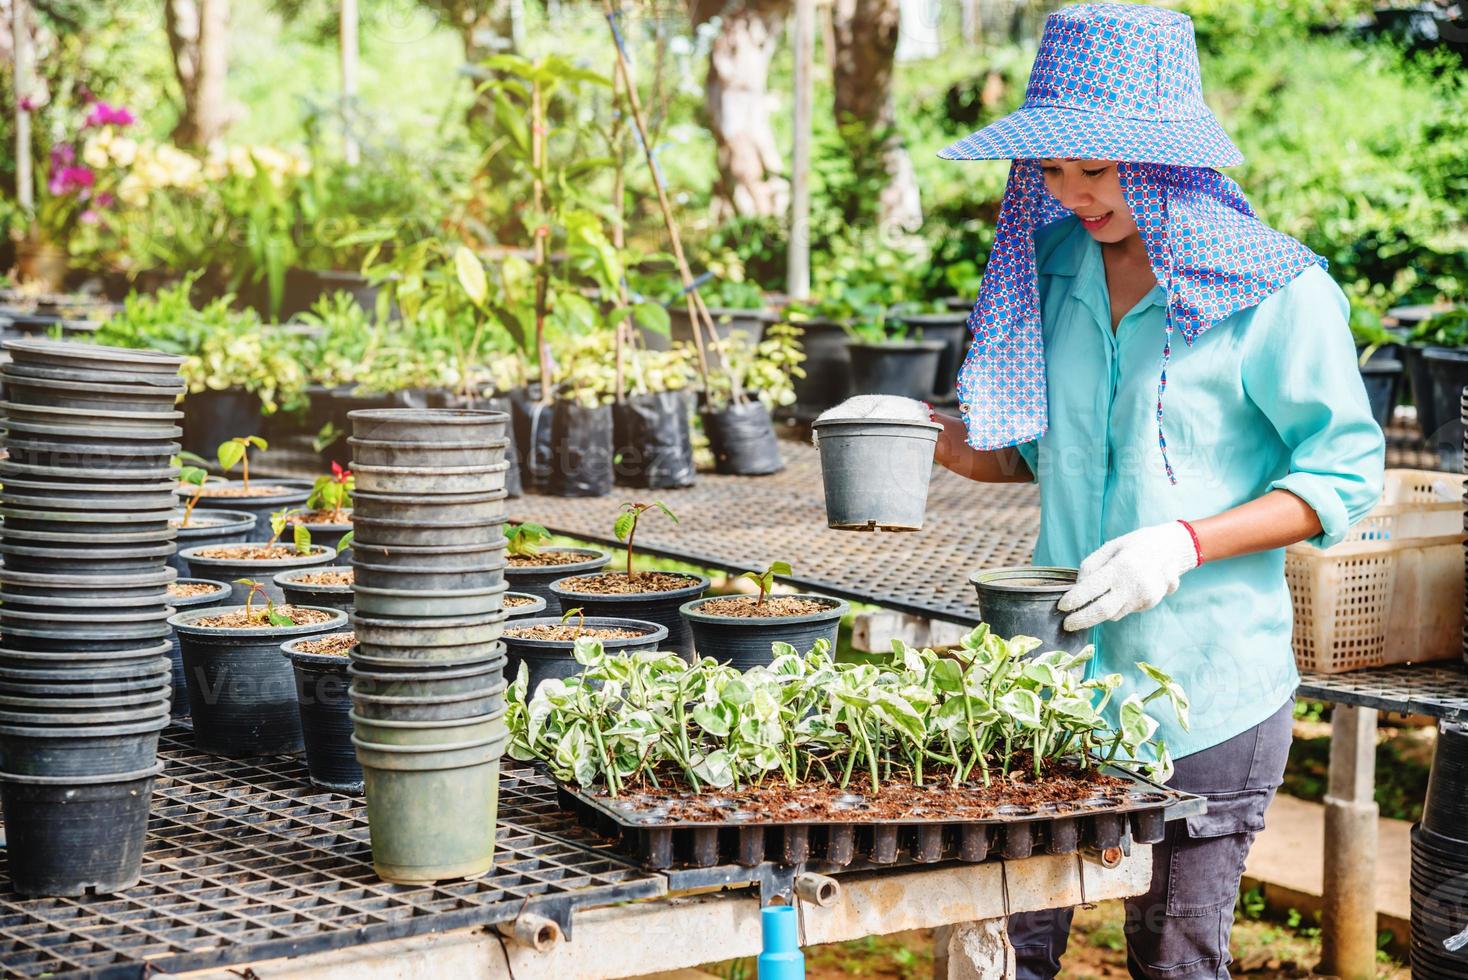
532	567
187	594
196	527
630	594
241	690
233	562
545	646
258	497
328	511
742	630
329	586
320	664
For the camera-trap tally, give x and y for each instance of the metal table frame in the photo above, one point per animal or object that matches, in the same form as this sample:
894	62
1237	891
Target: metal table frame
1348	920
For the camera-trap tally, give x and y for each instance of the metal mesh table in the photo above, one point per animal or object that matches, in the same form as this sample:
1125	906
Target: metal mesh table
1440	691
744	523
246	861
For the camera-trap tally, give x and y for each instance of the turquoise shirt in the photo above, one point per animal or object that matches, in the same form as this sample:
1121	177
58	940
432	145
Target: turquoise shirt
1269	398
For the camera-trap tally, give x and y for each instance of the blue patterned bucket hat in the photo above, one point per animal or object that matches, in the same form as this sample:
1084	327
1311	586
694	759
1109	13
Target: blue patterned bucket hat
1112	82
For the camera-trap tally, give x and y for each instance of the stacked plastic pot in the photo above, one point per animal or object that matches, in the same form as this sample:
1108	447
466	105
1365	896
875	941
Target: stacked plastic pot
85	678
428	670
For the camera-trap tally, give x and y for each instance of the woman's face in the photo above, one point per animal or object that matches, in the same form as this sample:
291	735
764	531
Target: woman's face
1091	190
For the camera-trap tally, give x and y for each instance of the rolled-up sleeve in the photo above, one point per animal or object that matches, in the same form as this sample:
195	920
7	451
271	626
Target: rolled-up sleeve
1300	368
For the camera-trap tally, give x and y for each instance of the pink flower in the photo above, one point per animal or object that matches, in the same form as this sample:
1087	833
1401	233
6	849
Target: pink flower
90	217
62	155
103	114
29	104
67	180
106	200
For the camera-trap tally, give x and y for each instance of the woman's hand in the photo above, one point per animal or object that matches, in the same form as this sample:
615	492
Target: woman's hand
1129	574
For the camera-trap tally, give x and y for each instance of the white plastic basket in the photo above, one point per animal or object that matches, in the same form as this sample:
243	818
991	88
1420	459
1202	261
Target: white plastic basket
1391	592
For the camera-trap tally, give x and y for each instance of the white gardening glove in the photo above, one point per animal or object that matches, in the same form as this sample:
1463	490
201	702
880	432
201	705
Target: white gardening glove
1129	574
877	407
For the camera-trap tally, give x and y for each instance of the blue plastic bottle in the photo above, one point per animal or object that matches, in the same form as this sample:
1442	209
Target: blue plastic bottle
782	958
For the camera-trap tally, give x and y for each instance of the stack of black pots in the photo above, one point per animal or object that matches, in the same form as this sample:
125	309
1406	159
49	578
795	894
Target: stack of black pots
85	677
1440	862
428	669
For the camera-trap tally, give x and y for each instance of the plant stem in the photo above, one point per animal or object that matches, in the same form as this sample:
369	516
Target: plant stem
630	535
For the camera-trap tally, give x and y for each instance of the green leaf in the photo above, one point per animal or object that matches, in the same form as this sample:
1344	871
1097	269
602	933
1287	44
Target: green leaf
278	618
947	676
626	521
301	537
471	275
230	453
1136	725
779	568
713	719
651	316
345	541
664	508
1021	705
588	652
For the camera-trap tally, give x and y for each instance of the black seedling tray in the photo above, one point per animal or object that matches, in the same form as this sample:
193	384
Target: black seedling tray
1137	813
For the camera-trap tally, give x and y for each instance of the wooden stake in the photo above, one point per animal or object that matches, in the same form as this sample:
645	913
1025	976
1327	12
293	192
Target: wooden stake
25	57
540	231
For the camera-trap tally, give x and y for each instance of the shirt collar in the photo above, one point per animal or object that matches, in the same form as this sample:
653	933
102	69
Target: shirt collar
1076	254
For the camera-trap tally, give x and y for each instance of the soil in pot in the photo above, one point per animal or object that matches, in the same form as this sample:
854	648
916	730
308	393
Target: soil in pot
255	562
533	574
210	527
242	691
650	596
189	593
546	656
1020	601
320	666
742	439
905	368
653	445
330	587
520	604
741	630
327	528
264	497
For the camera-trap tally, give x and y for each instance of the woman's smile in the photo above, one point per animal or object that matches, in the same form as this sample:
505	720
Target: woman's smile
1096	223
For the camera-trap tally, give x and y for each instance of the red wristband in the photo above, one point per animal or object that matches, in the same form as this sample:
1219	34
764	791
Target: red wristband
1197	548
932	415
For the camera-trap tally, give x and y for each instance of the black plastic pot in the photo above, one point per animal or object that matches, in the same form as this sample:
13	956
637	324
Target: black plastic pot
1020	601
652	607
1382	377
92	357
545	659
231	570
406	533
96	525
1445	809
486	573
152	379
96	626
242	692
208	528
418	638
381	452
83	478
326	724
330	536
534	607
59	560
581	461
63	586
533	439
79	750
1448	371
70	835
443	557
430	681
441	425
43	609
727	320
211	600
123	658
742	440
304	287
430	481
827	365
536	579
745	642
949	329
299	593
213	417
296	492
652	443
414	509
490	698
57	495
93	397
1423	395
108	457
514	486
905	368
67	642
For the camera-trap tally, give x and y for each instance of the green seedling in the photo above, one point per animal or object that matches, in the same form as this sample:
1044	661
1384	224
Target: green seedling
961	718
626	526
194	476
580	620
524	540
236	452
766	579
346	541
271	615
300	534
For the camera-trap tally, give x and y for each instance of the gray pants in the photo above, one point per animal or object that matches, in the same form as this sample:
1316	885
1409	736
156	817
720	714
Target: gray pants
1180	927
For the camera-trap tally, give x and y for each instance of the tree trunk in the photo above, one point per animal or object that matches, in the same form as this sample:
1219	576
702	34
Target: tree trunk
866	42
751	179
198	34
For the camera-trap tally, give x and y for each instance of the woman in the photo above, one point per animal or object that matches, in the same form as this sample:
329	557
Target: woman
1172	474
